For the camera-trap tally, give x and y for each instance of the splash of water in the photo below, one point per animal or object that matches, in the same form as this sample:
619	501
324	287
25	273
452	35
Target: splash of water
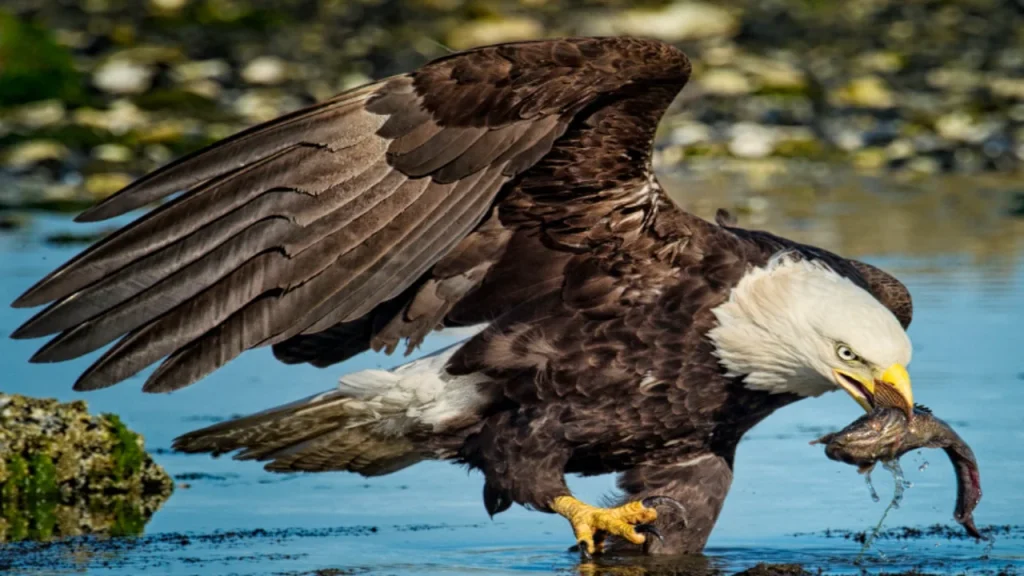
871	486
900	485
923	466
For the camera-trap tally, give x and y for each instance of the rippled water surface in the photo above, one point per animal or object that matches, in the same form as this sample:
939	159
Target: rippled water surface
953	242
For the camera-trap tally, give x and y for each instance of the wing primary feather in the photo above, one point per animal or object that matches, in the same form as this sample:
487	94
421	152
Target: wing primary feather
234	337
181	217
299	208
192	317
330	123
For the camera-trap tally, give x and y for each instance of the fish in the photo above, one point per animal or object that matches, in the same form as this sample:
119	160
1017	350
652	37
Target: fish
885	434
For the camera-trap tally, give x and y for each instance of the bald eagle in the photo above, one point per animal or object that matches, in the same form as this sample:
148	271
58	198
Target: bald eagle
509	186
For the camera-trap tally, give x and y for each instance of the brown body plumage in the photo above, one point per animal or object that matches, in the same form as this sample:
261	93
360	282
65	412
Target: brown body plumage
508	185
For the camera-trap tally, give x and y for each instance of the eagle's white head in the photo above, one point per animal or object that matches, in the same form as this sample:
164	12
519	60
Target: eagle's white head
797	326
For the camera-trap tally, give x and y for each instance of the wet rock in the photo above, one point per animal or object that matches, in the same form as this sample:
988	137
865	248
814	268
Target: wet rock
119	76
64	472
900	149
99	186
30	153
265	71
865	92
870	159
212	69
1012	88
164	7
121	117
115	153
880	61
774	75
38	115
689	133
764	569
260	106
493	31
676	22
960	126
751	141
954	79
924	165
725	82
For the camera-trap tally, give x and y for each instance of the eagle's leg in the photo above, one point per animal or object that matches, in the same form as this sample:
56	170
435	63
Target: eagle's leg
700	482
523	456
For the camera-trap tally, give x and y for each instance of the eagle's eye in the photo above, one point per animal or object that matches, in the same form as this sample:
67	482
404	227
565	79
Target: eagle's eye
845	354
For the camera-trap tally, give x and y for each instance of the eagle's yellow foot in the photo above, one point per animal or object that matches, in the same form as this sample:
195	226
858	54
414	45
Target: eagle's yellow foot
590	524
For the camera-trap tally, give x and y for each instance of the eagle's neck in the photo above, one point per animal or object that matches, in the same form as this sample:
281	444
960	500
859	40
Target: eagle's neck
763	338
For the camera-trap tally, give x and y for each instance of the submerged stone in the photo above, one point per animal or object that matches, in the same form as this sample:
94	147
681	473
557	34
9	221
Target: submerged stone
64	472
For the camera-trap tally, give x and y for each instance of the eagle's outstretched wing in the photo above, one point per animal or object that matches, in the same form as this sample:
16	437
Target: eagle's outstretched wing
365	218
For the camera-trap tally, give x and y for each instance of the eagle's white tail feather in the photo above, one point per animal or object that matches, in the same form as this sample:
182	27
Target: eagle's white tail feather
363	425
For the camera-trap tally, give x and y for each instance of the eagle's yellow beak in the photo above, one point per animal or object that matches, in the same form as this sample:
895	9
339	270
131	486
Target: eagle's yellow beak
890	388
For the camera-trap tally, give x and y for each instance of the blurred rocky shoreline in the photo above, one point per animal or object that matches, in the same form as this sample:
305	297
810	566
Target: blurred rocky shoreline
94	93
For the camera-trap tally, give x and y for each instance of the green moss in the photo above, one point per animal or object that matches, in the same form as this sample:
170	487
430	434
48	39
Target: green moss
32	65
129	519
17	482
126	456
810	149
29	497
42	482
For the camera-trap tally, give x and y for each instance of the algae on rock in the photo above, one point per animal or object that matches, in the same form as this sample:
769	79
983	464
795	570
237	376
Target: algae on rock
64	472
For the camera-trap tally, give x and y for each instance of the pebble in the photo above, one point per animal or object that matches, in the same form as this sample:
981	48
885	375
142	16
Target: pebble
104	184
751	141
258	106
119	76
167	6
116	153
960	126
39	114
677	22
924	165
265	71
866	92
30	153
1011	88
775	75
899	149
493	31
725	82
212	69
690	133
120	118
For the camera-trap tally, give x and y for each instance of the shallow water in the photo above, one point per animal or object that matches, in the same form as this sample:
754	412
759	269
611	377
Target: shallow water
950	241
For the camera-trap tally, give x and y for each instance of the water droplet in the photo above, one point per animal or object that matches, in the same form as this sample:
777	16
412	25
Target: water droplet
923	466
871	487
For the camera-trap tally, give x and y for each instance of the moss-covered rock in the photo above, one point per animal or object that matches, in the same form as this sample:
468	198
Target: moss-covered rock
64	472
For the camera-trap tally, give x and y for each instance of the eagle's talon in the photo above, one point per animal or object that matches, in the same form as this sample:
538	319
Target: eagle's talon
649	529
654	501
591	524
585	554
